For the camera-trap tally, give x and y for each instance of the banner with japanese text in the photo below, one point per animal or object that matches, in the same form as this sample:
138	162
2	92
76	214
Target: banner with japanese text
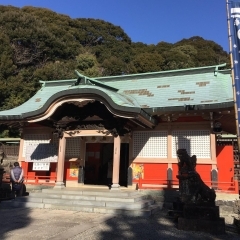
234	20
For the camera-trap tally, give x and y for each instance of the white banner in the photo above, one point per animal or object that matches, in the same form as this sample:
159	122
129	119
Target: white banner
41	166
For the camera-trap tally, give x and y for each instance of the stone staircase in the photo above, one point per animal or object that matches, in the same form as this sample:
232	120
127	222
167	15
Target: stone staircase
123	202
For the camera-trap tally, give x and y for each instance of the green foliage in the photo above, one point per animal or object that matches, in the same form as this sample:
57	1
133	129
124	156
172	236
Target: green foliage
55	70
88	65
6	131
148	62
38	44
176	58
208	52
113	66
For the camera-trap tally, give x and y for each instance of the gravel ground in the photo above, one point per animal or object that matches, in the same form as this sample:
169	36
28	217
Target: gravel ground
38	224
159	226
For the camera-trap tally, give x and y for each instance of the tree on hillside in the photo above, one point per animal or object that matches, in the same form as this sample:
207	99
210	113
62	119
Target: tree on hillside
39	44
208	52
148	62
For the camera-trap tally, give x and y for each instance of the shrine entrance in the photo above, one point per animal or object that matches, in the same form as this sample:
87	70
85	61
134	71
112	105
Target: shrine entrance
99	163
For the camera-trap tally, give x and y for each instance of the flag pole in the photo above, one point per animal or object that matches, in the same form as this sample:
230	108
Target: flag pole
232	73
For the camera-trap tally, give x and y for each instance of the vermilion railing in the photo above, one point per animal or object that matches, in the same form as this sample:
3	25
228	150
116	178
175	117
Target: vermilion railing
157	184
230	187
40	180
35	180
6	178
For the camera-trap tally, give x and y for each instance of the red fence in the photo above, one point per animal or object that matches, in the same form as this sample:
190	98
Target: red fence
35	180
227	187
40	180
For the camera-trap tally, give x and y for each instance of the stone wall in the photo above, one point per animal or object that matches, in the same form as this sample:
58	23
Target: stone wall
7	164
229	204
229	210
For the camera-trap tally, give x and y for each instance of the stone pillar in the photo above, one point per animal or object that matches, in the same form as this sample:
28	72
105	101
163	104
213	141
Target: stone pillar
214	178
169	177
116	163
60	164
130	177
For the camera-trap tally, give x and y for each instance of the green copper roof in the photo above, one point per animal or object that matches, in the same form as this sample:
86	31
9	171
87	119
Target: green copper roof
197	86
202	87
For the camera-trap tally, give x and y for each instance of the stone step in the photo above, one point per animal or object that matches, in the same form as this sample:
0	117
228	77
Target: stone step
102	203
137	205
146	212
91	192
112	197
88	200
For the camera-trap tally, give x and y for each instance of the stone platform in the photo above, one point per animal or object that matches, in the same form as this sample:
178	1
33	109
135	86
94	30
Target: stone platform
204	218
202	225
192	211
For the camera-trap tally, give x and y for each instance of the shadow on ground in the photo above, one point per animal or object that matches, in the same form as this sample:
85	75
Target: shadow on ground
159	226
13	219
37	224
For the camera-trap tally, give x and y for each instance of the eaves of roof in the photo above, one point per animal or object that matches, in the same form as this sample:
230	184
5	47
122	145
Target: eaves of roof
214	106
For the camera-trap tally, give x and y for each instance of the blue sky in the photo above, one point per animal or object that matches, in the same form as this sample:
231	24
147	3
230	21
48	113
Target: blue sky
148	21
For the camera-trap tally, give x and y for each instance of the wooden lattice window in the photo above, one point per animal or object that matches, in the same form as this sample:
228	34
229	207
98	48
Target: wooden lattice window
73	147
152	144
196	142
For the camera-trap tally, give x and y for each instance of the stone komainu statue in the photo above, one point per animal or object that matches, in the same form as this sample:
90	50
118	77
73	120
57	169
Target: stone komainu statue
191	187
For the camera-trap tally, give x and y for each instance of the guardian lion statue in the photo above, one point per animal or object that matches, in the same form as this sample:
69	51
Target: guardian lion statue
191	186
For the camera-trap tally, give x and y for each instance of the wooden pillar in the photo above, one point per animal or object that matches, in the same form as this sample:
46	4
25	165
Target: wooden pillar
20	153
60	164
116	163
213	147
169	142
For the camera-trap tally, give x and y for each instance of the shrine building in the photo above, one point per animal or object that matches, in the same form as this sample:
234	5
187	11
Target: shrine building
73	130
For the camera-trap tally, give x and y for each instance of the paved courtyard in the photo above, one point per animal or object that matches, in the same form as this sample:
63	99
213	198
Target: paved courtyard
18	224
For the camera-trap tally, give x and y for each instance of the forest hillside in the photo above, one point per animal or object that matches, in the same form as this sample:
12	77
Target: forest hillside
39	44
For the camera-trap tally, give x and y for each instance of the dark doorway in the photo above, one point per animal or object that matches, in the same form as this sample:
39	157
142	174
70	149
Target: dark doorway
96	163
124	156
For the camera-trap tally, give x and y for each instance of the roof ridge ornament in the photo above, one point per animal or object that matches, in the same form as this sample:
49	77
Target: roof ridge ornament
92	81
217	68
81	80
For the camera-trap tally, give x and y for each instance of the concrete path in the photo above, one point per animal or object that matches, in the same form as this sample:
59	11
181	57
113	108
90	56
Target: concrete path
36	224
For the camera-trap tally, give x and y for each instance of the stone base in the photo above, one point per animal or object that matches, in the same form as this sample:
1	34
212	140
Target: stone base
73	184
59	185
193	211
133	186
202	225
226	196
115	186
